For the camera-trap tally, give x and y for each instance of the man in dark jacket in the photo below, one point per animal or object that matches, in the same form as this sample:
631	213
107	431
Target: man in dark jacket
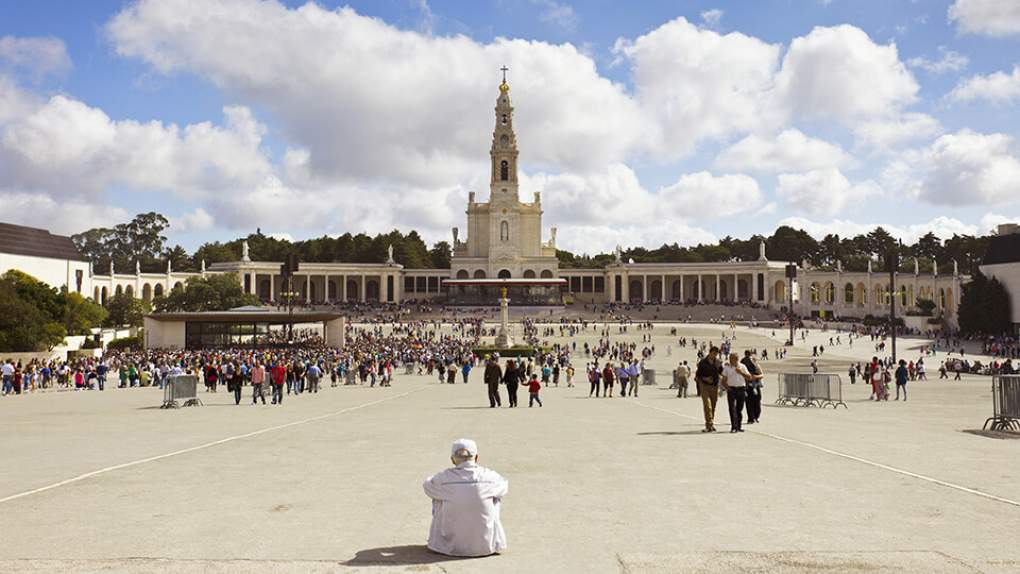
493	376
707	377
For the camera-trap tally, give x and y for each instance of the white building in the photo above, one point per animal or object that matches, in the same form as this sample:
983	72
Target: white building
52	259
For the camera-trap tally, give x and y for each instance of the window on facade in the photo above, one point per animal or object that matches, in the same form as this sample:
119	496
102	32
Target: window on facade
503	119
504	171
504	231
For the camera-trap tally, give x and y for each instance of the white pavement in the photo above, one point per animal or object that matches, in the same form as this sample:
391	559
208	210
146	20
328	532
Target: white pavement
332	483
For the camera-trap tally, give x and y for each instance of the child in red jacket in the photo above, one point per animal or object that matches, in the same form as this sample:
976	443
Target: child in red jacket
533	387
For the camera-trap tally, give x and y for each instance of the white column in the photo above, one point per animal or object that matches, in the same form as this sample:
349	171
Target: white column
718	283
384	289
754	287
662	298
398	287
644	289
363	297
681	288
343	288
272	287
254	283
308	288
701	289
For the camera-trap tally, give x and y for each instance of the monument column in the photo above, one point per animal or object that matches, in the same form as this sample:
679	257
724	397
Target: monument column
364	296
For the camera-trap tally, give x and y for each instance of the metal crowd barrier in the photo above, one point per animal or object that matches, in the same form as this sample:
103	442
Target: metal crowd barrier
648	376
350	377
807	389
181	391
1005	403
409	368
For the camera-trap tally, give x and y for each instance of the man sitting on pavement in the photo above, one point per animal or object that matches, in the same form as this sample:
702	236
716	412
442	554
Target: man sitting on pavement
465	505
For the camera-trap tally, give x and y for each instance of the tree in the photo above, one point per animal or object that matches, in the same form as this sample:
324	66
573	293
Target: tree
80	315
179	259
441	255
789	244
124	309
210	293
140	239
25	327
984	307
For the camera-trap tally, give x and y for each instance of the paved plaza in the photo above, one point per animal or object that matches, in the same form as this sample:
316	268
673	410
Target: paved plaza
332	482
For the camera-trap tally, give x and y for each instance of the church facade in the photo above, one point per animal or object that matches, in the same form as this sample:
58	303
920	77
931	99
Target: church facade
503	241
504	234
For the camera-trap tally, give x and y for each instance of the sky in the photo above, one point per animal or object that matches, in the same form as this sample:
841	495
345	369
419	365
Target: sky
641	123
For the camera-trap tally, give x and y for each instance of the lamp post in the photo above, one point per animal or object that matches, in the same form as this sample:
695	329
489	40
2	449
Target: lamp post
791	274
287	270
893	261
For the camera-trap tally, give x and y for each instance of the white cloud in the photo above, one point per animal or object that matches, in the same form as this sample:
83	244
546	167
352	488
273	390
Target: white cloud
997	88
841	73
948	61
64	140
197	220
559	14
943	227
791	150
712	17
963	168
824	191
700	84
990	222
705	196
988	17
370	101
59	215
882	135
41	56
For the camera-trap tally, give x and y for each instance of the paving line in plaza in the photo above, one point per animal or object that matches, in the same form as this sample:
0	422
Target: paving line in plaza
124	465
854	458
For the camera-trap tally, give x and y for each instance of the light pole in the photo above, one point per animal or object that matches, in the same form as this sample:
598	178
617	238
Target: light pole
287	270
893	261
791	274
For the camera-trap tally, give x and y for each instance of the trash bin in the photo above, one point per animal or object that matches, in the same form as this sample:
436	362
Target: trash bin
648	376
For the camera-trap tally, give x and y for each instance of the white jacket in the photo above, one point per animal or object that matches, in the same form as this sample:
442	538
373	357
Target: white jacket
465	510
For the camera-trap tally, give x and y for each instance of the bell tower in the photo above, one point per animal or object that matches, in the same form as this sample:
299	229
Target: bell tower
503	179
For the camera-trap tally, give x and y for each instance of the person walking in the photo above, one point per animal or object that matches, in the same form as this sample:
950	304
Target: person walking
533	388
734	380
313	374
279	376
234	383
634	374
608	374
493	375
258	378
683	372
754	384
902	375
594	378
707	377
512	379
624	378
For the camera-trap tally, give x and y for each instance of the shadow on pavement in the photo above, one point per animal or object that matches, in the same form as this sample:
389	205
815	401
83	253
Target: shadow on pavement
672	433
399	555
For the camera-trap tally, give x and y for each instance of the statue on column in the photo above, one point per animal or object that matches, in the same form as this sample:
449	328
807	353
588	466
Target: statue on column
244	251
956	268
389	255
619	255
169	266
138	267
203	267
456	232
761	251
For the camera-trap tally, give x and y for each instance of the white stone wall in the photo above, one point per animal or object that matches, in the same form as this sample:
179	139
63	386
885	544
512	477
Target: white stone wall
1009	275
54	272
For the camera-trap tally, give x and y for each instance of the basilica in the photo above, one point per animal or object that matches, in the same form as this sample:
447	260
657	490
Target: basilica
503	247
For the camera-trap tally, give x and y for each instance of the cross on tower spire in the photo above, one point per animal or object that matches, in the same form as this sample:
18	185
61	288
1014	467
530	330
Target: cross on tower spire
504	69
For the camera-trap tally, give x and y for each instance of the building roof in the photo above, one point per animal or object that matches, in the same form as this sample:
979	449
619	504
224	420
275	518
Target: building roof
1003	249
34	242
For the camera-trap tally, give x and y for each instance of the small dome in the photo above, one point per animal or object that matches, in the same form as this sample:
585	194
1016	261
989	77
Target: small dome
504	87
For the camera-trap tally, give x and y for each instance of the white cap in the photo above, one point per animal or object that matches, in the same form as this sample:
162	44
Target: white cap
464	447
